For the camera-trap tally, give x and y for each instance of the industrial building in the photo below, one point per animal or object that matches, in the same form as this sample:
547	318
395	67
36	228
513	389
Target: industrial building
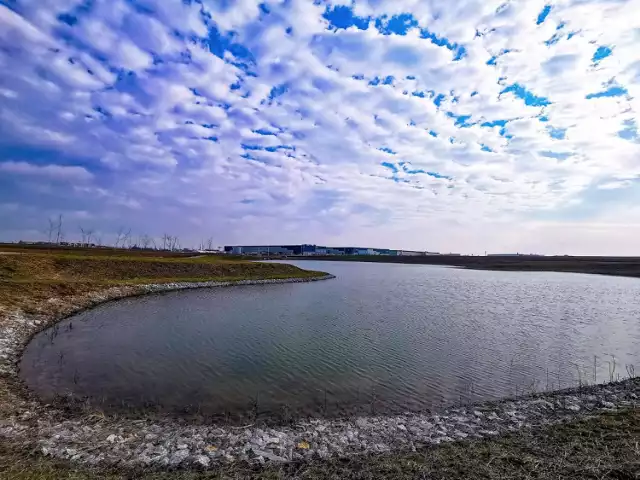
270	249
310	250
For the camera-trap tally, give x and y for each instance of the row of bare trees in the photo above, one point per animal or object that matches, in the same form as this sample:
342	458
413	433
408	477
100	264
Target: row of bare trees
206	244
56	234
170	242
123	238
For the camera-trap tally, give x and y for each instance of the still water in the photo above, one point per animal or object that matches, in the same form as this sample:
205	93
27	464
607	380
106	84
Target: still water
380	337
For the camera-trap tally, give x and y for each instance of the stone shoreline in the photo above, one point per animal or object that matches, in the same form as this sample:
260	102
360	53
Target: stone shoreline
162	442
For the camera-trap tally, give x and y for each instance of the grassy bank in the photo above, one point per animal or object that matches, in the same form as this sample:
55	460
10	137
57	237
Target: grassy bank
621	266
603	447
29	280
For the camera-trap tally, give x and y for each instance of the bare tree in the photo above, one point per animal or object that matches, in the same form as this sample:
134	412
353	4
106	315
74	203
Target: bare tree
119	237
123	237
206	244
146	241
86	233
170	242
51	229
58	229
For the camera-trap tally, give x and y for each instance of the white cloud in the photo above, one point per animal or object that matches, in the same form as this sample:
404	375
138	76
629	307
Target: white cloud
283	133
53	172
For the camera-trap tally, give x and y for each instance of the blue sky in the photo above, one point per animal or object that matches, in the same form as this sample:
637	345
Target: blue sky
453	126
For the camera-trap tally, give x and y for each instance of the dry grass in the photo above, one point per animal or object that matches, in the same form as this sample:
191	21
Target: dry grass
603	447
92	251
29	280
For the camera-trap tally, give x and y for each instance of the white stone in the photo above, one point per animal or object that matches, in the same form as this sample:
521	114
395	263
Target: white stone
362	422
269	456
179	456
203	460
323	452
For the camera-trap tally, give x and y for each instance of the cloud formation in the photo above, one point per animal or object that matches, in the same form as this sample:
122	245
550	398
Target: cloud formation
472	126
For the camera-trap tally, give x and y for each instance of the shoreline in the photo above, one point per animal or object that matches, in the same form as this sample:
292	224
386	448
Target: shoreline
95	439
17	328
611	266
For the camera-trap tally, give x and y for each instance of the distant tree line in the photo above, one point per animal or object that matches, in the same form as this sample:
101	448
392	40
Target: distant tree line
123	238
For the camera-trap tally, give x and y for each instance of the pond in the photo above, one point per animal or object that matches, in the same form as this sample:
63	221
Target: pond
378	338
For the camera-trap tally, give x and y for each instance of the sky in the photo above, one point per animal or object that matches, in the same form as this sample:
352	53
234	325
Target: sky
466	126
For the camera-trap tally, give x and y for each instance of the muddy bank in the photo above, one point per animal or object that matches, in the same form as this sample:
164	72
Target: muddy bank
156	442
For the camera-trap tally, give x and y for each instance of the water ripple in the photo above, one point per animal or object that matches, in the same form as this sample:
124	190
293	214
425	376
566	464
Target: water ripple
398	337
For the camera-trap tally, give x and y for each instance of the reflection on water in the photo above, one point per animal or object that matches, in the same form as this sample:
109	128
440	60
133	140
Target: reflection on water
378	338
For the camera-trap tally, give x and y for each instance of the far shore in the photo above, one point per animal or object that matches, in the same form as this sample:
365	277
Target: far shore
619	266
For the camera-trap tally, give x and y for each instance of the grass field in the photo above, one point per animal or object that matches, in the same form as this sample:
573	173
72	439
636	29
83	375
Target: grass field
603	447
28	278
91	251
